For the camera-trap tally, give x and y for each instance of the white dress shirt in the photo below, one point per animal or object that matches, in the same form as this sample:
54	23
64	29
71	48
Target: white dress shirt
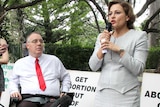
24	73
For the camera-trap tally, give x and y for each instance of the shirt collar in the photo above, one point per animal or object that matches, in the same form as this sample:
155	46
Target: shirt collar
33	58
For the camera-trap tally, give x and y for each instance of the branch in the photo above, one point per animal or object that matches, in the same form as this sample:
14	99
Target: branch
100	10
23	5
96	21
153	31
150	19
5	3
145	6
2	16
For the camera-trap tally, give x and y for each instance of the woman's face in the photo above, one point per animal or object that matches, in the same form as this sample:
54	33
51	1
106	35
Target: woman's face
117	16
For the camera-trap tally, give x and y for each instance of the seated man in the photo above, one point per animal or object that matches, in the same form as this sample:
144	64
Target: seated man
42	77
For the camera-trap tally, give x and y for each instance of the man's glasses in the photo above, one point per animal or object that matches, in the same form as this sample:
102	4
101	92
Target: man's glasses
37	40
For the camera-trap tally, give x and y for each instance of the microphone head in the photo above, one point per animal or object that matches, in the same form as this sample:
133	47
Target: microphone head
109	26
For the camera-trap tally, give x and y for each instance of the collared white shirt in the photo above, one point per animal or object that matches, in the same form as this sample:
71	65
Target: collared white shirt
24	73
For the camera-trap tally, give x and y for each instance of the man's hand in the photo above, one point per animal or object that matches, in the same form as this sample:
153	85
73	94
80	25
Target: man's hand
62	94
16	95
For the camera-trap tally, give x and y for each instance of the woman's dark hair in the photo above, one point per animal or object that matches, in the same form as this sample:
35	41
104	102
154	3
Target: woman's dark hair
128	11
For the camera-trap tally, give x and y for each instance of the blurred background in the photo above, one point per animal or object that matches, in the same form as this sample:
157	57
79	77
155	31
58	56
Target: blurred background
70	27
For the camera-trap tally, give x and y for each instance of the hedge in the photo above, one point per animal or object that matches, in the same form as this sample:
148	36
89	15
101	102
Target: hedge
73	57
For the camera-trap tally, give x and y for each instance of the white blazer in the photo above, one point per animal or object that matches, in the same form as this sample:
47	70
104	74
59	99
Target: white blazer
121	73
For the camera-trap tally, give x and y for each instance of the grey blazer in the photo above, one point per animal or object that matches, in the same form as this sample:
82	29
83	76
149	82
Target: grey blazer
121	73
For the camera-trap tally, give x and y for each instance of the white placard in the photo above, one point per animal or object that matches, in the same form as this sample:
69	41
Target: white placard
150	93
84	85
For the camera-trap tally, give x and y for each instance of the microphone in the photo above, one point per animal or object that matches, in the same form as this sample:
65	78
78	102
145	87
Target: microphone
63	101
109	28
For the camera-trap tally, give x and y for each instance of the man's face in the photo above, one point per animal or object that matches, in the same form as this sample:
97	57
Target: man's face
35	45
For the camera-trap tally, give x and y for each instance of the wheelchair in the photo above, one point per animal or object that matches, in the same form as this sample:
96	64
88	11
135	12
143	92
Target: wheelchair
64	101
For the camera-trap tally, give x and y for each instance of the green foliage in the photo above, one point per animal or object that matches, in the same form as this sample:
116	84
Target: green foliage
15	52
57	20
153	58
73	57
12	2
3	31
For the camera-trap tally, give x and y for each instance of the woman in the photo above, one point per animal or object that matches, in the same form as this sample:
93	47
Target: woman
127	51
4	58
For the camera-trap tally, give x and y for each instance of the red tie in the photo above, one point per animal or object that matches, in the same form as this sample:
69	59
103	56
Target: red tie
42	84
